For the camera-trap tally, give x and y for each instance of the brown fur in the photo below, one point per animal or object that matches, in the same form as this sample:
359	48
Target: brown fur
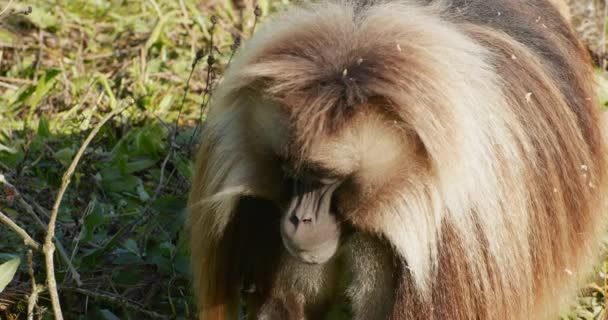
471	139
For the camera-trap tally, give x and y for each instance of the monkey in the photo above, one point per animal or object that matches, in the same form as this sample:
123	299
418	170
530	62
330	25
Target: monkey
418	159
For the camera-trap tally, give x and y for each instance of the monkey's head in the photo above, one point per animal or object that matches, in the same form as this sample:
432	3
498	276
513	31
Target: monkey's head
331	174
337	121
323	128
336	147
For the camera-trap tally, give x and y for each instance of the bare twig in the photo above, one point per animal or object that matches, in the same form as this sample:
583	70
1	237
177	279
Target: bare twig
36	288
197	58
156	8
113	298
49	246
207	92
8	86
17	46
21	200
27	239
182	6
6	8
16	80
234	47
257	12
35	204
19	197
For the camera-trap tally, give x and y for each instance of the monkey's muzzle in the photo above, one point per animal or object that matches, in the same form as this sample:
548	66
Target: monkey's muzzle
309	228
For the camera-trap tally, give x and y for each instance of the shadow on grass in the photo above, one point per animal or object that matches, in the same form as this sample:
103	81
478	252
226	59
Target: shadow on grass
121	221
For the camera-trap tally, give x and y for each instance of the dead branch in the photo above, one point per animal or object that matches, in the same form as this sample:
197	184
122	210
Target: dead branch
21	200
27	239
49	247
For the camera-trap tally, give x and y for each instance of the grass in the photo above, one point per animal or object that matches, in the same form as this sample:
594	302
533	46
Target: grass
63	68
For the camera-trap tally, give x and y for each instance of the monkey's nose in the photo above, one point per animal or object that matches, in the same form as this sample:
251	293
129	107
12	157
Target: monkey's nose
295	220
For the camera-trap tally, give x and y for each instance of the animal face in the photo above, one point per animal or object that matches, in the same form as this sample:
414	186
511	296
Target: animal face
331	174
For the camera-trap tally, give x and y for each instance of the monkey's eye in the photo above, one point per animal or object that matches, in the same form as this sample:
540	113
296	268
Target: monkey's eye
311	173
318	176
329	180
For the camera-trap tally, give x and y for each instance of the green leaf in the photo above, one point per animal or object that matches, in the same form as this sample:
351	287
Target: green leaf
103	80
44	130
128	276
165	103
142	193
150	140
44	85
43	19
127	258
171	211
4	148
182	264
7	272
124	183
157	256
64	156
157	31
91	222
139	165
131	246
114	180
108	315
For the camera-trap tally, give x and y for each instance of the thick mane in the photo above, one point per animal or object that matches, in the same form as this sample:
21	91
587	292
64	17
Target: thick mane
504	109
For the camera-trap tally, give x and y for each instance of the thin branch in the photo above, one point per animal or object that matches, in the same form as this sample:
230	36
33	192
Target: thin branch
156	8
27	239
119	300
6	8
42	226
26	206
16	80
8	86
36	288
257	12
234	47
16	46
49	246
197	58
28	199
207	92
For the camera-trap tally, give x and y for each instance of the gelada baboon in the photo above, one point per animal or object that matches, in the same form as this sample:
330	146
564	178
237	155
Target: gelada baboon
412	159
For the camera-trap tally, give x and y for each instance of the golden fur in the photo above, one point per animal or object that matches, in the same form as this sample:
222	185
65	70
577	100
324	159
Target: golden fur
471	133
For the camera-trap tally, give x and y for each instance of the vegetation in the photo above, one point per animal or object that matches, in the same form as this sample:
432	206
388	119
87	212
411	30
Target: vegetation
63	67
149	68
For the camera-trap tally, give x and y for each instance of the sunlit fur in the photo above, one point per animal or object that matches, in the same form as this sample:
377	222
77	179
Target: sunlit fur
470	134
